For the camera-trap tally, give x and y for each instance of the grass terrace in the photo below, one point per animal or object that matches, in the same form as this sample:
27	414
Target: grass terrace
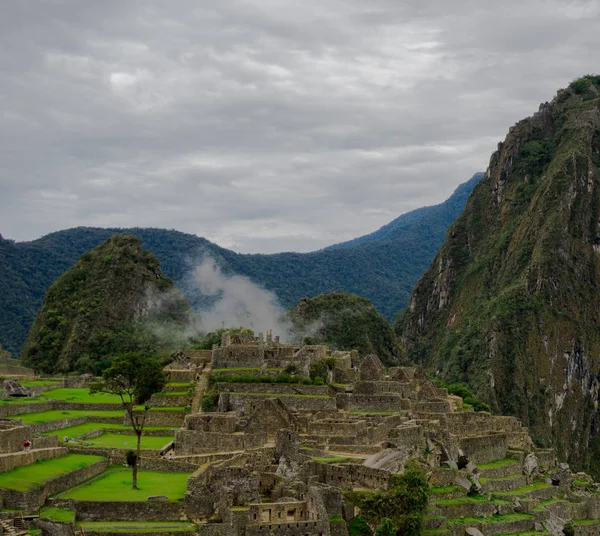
86	428
57	514
38	383
30	476
498	464
278	395
81	396
115	485
336	459
58	414
123	441
136	526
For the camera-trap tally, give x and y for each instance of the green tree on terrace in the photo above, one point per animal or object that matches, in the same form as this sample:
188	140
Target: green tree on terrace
135	378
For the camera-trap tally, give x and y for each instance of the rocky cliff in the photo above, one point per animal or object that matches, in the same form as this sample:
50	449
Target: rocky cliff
511	302
114	299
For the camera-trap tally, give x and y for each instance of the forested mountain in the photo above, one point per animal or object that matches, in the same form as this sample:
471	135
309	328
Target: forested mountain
114	299
347	322
384	271
511	302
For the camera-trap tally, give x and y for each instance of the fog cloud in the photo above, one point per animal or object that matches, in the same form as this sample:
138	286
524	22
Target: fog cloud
239	302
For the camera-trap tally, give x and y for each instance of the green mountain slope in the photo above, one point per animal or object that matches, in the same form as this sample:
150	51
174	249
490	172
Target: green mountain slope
346	322
511	302
114	299
383	270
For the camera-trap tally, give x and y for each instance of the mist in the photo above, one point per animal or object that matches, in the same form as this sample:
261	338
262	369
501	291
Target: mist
239	302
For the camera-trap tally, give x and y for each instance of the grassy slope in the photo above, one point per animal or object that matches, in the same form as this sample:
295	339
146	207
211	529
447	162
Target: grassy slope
115	485
29	476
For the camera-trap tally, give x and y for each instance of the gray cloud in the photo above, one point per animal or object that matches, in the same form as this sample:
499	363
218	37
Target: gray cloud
266	125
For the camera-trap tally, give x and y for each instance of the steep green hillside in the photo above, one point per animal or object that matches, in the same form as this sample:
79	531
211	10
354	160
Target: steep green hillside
114	299
346	322
511	302
384	269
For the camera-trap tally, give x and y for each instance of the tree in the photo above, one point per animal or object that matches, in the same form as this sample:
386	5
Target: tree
135	378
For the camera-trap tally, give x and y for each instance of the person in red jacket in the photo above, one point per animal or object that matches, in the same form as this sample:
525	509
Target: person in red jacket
26	444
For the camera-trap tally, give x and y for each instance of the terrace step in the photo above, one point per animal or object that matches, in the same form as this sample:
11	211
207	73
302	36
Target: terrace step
537	490
499	524
434	523
27	489
137	528
586	527
466	507
505	483
499	468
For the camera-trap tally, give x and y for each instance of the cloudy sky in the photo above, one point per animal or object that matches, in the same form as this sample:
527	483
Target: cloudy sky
266	125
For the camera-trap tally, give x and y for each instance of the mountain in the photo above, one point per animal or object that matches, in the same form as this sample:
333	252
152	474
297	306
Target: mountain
422	224
347	322
510	304
384	271
114	299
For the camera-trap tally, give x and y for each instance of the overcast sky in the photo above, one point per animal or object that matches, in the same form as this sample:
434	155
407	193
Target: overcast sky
266	125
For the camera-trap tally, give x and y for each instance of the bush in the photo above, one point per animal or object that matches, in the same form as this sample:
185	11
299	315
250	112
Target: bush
403	504
359	527
209	401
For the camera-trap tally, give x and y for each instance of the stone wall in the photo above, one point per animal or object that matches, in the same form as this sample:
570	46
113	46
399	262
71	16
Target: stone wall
238	357
16	459
484	448
50	426
19	409
11	439
197	442
388	402
127	511
158	417
349	476
224	423
168	401
247	403
274	388
338	427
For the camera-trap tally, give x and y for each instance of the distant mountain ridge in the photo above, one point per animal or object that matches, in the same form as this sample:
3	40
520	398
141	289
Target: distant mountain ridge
382	270
432	219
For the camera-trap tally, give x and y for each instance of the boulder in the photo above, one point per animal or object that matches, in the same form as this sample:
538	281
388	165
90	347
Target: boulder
530	465
14	388
157	498
472	531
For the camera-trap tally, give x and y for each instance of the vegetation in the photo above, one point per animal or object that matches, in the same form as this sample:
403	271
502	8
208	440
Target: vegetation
134	379
57	515
346	322
27	477
114	299
223	377
506	307
404	504
383	266
116	486
58	414
122	441
468	397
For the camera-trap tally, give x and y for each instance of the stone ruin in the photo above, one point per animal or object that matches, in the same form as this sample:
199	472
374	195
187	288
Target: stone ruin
274	458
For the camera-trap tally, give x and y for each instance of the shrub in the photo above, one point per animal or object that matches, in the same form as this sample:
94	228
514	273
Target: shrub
403	504
209	401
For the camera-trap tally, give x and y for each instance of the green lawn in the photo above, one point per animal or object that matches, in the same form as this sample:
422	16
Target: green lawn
58	414
181	384
137	526
115	485
28	477
120	441
86	428
81	396
58	514
41	383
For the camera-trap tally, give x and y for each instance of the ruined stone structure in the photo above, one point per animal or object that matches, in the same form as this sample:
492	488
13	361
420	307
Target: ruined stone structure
274	456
